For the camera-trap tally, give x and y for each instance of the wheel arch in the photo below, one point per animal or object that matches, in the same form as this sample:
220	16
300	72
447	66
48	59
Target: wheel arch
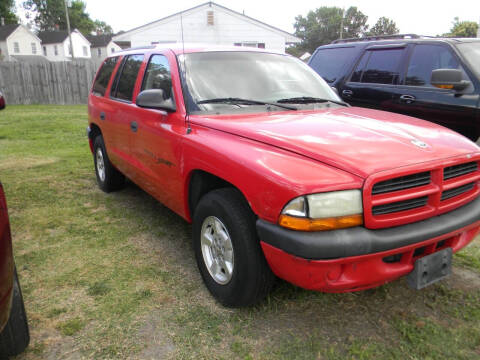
94	131
201	182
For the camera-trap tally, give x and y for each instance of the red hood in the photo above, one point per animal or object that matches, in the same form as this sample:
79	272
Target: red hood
360	141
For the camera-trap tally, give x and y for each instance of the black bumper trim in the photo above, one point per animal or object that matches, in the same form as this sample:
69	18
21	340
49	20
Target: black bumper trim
323	245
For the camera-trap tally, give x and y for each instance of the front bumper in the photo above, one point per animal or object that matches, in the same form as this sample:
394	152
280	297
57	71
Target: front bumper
359	258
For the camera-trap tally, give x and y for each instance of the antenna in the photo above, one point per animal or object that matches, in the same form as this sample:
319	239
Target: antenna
187	120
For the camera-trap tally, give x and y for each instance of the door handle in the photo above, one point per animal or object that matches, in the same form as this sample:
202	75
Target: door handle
407	99
102	116
134	126
347	93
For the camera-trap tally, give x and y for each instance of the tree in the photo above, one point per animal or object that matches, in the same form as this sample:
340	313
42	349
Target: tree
463	28
7	11
384	26
101	27
322	26
48	15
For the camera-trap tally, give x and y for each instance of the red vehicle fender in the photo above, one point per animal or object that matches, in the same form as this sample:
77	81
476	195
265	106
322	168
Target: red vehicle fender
268	177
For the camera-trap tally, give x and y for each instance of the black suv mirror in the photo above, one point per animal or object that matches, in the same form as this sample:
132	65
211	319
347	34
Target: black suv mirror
155	99
449	79
2	102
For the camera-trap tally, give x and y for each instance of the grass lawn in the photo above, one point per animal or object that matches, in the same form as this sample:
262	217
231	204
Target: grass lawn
114	276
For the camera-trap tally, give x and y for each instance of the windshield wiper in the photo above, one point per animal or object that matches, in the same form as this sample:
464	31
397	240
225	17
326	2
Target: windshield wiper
309	100
240	101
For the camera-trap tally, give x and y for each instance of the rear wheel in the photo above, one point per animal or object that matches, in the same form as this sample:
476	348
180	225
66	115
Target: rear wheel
108	178
228	251
15	336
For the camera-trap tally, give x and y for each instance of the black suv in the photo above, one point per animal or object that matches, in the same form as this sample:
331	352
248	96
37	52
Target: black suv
436	79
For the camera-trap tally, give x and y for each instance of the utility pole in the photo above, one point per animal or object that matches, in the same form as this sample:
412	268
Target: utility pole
68	28
341	23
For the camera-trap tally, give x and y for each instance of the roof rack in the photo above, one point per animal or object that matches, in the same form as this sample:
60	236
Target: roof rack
146	47
381	37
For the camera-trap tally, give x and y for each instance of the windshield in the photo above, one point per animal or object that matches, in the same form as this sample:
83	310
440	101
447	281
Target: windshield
471	51
259	77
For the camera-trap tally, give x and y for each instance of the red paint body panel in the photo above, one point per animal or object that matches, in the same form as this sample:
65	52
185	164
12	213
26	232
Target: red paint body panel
6	262
359	272
357	140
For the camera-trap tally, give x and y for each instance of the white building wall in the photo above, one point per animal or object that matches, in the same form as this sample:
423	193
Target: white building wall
105	51
3	51
63	48
24	38
228	29
51	52
79	43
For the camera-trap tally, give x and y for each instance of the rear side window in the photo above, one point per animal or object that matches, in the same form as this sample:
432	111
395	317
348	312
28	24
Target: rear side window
157	76
125	82
329	63
378	67
425	59
104	74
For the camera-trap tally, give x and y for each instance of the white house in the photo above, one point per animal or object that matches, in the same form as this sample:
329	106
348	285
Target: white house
18	40
209	23
102	46
56	45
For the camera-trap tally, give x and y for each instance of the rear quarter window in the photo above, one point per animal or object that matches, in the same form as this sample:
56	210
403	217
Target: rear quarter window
330	63
126	81
103	76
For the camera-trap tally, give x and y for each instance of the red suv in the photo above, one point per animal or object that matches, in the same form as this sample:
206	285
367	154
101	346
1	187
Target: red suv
14	335
278	175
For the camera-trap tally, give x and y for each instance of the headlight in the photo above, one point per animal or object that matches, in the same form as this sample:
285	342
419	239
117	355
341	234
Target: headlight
325	211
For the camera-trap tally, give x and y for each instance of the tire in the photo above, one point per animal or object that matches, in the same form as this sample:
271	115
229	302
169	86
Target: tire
241	276
15	337
108	178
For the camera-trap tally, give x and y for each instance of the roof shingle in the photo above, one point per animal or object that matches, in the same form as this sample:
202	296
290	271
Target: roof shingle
52	37
6	30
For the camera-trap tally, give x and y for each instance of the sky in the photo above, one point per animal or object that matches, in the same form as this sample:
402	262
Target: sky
423	17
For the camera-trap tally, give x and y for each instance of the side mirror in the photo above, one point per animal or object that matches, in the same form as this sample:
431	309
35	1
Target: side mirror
449	79
2	102
155	99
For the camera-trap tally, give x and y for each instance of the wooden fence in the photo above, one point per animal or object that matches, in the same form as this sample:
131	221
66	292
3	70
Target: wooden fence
46	83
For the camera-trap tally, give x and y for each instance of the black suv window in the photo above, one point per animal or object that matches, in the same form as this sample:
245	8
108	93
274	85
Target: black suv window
378	66
329	63
157	76
125	82
425	59
104	74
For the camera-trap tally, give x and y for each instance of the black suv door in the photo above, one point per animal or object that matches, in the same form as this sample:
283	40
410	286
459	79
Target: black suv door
374	77
416	96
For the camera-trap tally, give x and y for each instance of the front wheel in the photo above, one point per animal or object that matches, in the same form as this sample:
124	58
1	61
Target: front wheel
228	251
15	336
